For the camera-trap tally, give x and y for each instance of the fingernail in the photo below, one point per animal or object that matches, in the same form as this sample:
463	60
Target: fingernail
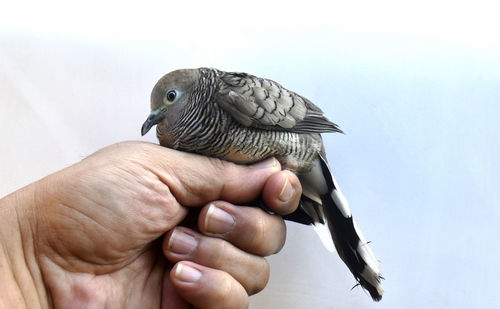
268	163
286	192
187	273
181	243
218	221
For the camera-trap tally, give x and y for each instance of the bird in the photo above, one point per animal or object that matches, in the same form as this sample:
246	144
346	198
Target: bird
243	118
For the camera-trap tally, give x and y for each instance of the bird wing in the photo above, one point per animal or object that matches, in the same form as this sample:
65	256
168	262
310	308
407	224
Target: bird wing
263	103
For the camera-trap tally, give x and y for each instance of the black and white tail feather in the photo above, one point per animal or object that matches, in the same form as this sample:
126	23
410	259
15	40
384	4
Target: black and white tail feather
326	208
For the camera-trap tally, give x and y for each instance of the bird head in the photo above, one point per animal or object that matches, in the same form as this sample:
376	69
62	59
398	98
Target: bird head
169	96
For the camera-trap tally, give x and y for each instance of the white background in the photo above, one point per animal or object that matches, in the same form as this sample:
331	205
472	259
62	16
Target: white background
415	85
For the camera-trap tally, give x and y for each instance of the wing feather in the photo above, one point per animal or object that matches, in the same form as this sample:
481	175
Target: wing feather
263	103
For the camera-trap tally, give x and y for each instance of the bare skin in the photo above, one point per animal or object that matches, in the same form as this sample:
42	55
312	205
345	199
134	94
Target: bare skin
104	232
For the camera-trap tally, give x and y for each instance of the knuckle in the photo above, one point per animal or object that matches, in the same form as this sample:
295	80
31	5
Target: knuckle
268	234
282	236
225	291
259	233
218	252
218	165
151	215
261	279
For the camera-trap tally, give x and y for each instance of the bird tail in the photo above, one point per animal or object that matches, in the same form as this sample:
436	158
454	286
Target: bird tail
332	211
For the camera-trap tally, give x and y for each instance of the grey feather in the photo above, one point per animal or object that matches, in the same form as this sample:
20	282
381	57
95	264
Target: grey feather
241	94
243	118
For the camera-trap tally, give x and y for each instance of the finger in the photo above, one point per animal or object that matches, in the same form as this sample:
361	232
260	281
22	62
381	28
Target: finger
195	180
207	288
282	192
248	228
251	271
170	298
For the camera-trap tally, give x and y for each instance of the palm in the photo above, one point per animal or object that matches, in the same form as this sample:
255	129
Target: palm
100	237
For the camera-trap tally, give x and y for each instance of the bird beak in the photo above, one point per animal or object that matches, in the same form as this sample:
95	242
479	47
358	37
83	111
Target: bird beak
154	118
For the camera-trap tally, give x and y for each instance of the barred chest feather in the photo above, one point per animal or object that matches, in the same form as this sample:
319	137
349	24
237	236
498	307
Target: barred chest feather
218	135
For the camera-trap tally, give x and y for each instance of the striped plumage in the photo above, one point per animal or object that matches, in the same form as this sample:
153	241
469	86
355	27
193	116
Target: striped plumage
244	119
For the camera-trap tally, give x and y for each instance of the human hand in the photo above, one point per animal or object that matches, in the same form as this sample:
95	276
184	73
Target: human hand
93	237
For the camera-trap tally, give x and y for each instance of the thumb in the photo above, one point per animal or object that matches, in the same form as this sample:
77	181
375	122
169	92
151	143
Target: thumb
195	180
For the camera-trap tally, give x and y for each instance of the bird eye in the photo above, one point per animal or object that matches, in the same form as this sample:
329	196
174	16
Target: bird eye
171	95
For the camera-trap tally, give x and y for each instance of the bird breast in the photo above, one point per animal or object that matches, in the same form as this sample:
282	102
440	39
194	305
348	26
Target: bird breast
218	135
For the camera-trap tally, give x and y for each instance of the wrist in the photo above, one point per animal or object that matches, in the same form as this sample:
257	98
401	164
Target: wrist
22	283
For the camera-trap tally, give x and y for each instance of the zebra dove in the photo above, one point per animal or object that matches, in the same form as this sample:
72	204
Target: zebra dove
244	119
